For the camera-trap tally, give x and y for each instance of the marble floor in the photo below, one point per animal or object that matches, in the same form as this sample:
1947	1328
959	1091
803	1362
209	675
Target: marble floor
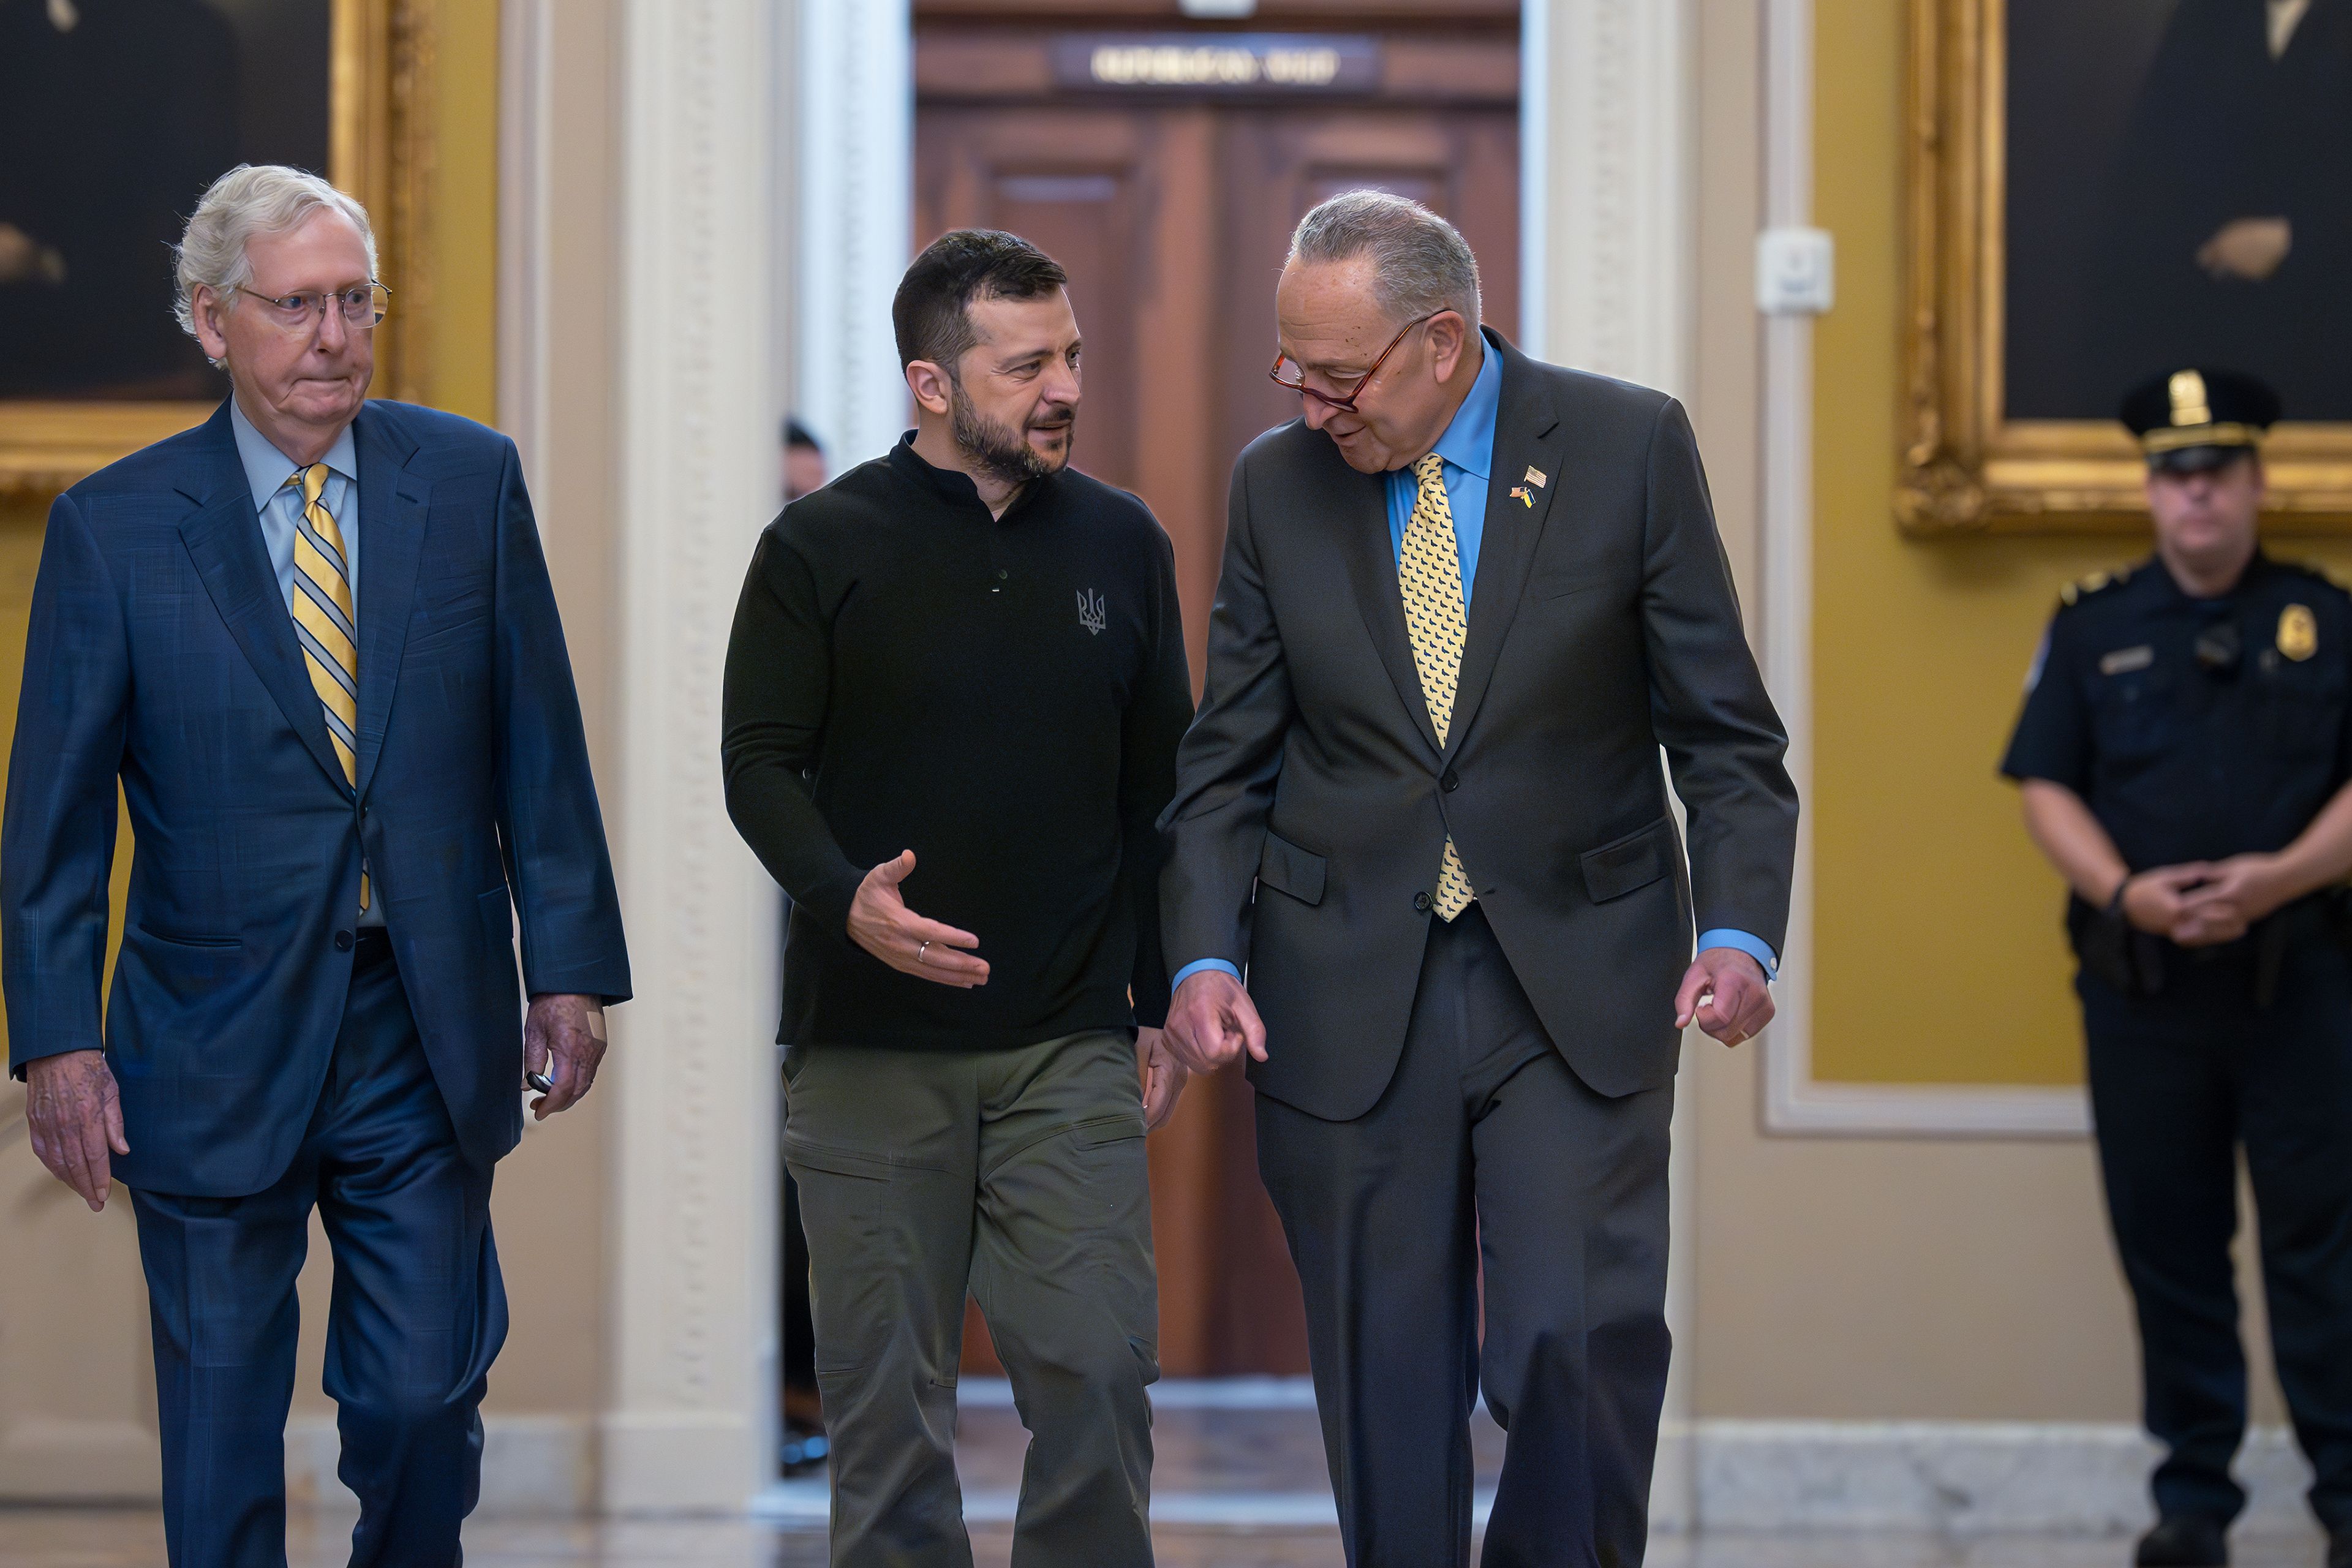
102	1538
1239	1483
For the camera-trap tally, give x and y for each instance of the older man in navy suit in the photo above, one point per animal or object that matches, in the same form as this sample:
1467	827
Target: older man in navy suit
314	642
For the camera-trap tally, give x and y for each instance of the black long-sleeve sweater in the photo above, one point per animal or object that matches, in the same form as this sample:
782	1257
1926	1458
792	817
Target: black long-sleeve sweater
1003	696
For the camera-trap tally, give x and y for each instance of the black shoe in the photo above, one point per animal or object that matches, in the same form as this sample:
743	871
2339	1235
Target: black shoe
2184	1541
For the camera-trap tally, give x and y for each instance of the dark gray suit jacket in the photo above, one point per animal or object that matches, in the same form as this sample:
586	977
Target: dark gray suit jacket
1313	800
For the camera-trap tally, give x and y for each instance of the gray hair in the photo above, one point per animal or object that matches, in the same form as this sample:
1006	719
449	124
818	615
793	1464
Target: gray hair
1421	263
250	199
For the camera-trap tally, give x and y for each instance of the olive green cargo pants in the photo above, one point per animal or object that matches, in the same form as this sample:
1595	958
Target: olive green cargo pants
1019	1176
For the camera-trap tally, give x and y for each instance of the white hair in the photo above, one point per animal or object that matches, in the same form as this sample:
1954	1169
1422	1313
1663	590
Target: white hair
250	199
1421	263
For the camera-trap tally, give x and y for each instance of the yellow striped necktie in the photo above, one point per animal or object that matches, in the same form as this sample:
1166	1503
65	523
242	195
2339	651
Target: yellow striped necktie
327	625
1429	572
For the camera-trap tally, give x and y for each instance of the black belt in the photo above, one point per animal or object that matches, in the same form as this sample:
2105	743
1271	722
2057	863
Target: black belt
373	946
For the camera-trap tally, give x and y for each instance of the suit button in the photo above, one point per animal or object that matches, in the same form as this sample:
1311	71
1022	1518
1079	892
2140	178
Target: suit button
1421	901
343	942
1450	782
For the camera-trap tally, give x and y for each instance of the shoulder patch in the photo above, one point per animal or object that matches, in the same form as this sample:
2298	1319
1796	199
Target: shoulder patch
2075	593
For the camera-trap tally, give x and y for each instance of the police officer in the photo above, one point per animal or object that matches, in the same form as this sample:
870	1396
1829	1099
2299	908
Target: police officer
2183	756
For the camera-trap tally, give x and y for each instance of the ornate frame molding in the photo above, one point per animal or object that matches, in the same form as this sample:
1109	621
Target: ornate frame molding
1966	466
381	149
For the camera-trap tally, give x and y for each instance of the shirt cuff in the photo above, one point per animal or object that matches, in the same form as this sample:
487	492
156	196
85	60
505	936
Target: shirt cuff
1754	947
1197	965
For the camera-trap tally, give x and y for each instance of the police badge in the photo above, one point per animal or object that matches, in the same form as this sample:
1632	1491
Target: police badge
2298	633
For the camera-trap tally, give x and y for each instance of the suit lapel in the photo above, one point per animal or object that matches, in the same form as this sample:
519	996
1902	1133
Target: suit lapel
223	537
1527	435
392	540
1372	571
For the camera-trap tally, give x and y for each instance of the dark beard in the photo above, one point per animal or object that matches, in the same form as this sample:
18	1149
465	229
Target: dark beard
1004	453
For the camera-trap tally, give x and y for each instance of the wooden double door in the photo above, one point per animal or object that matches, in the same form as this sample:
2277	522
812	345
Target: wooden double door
1171	210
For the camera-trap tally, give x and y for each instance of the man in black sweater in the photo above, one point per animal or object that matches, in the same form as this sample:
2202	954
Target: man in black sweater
956	686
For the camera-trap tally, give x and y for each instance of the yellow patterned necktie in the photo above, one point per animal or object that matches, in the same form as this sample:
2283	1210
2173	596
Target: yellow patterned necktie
1429	572
326	624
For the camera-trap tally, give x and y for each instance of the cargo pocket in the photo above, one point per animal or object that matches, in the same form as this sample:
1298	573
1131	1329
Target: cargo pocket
858	1253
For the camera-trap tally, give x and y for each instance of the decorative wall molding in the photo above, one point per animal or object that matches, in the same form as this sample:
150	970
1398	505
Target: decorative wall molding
693	1088
1619	184
853	134
1794	1102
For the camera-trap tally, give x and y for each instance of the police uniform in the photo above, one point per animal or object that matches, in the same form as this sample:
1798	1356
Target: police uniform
2196	730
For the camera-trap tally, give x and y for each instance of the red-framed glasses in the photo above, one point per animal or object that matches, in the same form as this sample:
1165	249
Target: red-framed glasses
1296	381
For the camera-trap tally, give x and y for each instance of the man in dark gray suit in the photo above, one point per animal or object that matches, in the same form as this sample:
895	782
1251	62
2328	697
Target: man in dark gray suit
1466	599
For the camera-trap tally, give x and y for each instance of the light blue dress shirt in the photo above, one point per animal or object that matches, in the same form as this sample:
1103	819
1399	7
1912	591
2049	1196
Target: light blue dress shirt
267	469
280	506
1468	448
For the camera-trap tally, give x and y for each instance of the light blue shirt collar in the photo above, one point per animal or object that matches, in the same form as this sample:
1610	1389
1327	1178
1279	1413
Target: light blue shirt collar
267	467
1469	442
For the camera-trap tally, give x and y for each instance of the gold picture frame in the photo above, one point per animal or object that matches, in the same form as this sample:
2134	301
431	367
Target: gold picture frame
381	150
1966	466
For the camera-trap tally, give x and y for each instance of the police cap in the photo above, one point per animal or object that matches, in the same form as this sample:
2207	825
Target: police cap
2192	420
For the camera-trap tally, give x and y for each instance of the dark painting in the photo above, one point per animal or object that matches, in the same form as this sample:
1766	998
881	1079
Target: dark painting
115	117
2179	193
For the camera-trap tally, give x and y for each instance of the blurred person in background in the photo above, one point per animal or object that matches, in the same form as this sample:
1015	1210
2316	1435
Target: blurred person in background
954	693
313	643
2184	755
804	462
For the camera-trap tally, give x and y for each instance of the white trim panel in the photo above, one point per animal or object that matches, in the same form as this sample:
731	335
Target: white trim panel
1793	1100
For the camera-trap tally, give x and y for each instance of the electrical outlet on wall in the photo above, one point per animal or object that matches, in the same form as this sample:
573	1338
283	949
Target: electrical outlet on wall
1796	271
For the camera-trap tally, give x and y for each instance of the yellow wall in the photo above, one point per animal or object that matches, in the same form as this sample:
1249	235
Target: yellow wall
1939	953
464	371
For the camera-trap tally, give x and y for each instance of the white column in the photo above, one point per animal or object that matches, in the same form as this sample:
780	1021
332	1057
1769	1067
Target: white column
853	136
1609	140
693	1082
1617	149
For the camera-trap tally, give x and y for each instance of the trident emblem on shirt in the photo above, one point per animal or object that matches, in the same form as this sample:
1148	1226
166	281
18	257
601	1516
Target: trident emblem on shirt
1090	612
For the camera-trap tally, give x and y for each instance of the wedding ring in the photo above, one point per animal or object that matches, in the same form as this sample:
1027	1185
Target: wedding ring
918	953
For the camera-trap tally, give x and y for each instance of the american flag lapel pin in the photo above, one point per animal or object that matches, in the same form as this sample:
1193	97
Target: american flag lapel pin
1535	478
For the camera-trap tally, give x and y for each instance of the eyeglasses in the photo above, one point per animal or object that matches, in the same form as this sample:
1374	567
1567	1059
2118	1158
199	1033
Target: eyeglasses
361	305
1296	381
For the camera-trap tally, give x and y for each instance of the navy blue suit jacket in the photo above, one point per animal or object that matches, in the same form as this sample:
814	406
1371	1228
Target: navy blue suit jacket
161	655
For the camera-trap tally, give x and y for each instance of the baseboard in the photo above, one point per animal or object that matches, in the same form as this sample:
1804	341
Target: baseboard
1958	1477
531	1466
49	1460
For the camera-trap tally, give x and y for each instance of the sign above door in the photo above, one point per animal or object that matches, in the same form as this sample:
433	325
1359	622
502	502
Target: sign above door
1253	63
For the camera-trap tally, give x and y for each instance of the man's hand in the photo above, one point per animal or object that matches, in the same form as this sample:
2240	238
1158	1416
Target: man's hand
1163	1076
571	1031
1726	994
1213	1021
76	1117
2248	247
2156	901
881	923
2232	895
